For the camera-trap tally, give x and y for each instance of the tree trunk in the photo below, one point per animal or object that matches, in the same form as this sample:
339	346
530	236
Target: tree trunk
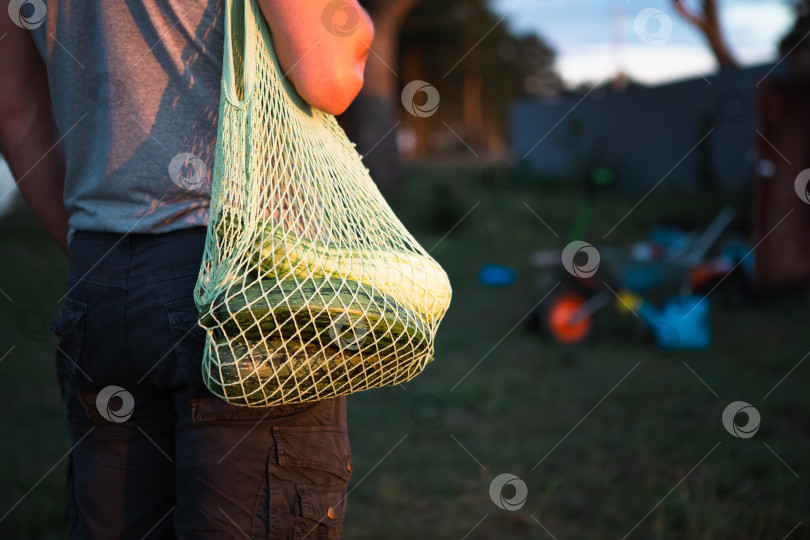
411	70
708	23
374	113
472	108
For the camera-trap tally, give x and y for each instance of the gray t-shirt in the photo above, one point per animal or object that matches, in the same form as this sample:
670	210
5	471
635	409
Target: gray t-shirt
135	86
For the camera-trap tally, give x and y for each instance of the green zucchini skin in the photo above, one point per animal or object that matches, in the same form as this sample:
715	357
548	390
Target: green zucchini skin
319	312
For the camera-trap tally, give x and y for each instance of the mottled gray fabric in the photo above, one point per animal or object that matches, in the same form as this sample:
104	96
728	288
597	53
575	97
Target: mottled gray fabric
135	84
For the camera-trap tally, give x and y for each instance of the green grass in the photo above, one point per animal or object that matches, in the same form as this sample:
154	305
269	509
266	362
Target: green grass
608	463
32	278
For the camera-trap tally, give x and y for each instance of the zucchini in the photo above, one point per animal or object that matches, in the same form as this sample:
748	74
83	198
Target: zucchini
415	281
286	372
318	312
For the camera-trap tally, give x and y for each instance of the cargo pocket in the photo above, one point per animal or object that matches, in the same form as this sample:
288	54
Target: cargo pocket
69	328
323	509
188	344
308	479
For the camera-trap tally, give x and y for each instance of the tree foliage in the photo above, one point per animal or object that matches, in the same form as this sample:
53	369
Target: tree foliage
476	61
798	32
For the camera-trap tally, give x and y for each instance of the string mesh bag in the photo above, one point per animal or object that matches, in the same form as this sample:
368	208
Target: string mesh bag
310	287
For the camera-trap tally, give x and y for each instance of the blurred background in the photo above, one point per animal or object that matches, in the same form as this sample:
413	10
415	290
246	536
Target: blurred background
618	192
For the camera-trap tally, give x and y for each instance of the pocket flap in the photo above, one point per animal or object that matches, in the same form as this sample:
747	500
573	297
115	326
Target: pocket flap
326	505
67	319
317	447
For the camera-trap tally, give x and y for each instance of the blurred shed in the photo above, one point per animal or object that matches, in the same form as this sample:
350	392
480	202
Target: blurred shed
781	197
692	134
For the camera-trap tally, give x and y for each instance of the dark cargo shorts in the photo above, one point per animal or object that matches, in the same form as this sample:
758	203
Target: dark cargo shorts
154	453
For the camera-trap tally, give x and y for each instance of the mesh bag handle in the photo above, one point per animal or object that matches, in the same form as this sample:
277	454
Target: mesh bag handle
310	287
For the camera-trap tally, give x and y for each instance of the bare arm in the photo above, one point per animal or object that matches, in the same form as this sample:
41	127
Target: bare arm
321	48
29	140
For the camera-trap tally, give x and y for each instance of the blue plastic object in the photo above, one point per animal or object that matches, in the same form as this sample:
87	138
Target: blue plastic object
738	251
496	275
642	278
682	323
674	239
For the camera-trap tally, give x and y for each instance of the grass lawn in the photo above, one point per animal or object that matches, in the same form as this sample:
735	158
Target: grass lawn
610	438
